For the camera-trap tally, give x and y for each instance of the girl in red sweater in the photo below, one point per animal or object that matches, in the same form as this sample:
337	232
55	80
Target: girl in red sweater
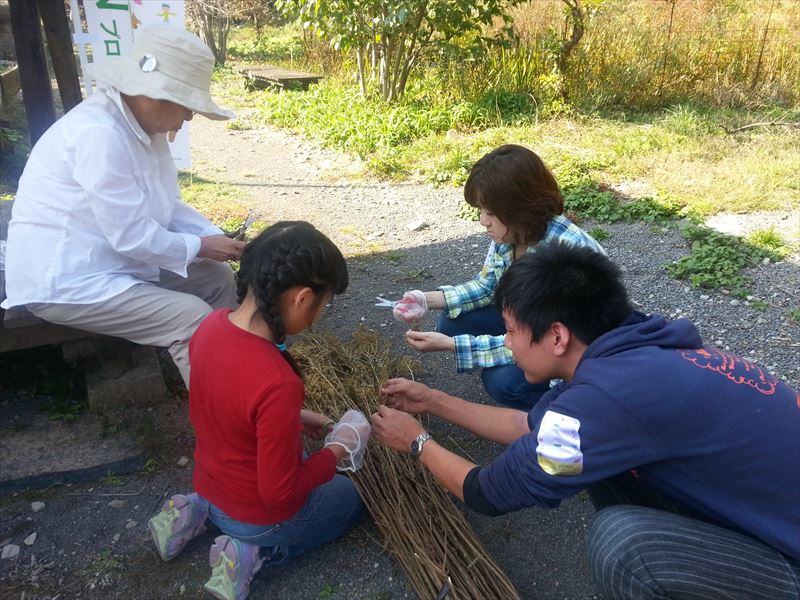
252	478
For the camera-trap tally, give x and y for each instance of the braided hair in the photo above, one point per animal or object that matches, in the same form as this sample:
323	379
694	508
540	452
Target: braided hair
285	255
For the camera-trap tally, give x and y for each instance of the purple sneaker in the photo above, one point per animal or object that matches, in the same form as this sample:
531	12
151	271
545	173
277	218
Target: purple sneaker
233	565
181	519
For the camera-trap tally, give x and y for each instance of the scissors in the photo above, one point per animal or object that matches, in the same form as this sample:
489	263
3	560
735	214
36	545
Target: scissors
386	303
238	234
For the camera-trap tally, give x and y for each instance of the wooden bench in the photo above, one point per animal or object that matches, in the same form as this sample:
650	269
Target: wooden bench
268	76
118	372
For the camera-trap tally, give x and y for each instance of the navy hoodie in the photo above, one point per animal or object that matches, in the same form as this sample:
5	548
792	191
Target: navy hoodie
707	429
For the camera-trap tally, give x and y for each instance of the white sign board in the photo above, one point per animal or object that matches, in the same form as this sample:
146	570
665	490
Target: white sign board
112	28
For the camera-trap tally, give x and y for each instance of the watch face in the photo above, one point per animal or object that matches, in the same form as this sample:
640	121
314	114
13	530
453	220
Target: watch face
415	449
416	444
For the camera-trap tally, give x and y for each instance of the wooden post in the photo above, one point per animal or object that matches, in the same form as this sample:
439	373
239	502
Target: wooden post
37	94
763	44
59	42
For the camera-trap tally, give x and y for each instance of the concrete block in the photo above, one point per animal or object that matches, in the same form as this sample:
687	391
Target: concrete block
120	382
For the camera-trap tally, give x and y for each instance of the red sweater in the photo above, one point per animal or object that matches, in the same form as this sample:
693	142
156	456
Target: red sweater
244	404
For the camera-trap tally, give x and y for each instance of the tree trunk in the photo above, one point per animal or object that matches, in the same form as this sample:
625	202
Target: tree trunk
362	84
224	24
408	55
208	33
576	18
385	66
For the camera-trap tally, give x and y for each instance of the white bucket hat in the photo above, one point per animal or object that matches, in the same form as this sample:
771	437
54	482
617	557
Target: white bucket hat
165	63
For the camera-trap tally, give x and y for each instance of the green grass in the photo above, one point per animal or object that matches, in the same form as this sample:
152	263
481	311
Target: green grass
680	156
275	45
599	234
770	241
328	590
222	203
394	256
113	480
416	275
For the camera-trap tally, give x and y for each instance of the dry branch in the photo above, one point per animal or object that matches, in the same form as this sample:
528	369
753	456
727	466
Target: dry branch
763	124
416	516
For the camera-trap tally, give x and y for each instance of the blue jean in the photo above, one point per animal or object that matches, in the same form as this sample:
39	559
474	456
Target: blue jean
505	384
330	510
641	547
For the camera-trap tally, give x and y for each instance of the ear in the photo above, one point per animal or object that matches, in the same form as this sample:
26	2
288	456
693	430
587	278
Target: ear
302	297
561	337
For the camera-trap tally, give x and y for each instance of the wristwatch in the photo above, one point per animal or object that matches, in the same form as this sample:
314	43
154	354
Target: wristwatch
416	444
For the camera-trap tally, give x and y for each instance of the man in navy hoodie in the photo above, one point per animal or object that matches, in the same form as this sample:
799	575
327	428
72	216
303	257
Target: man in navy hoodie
690	455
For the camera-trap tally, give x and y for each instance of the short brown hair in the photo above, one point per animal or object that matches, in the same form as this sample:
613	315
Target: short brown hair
513	183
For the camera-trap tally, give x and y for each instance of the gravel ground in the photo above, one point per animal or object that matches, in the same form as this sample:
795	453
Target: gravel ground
88	548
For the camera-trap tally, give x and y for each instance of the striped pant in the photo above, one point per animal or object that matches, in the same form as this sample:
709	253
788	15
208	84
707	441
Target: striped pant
640	552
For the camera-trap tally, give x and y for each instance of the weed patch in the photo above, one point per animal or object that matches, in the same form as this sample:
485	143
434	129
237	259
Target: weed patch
419	275
395	257
468	212
599	234
327	591
589	201
769	241
716	260
113	480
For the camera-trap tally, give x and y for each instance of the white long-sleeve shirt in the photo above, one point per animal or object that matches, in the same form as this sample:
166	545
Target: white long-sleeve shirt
97	210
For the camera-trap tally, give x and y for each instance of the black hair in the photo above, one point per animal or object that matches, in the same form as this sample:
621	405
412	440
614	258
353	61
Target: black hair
576	286
514	183
285	255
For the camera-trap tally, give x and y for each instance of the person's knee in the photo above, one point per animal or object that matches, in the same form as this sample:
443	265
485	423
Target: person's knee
193	311
348	493
602	532
224	293
447	326
494	385
508	386
619	541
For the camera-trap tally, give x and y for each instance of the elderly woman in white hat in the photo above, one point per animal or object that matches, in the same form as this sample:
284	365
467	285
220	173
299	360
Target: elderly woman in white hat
99	238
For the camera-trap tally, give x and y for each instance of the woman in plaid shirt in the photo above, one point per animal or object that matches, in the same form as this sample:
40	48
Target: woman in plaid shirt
521	207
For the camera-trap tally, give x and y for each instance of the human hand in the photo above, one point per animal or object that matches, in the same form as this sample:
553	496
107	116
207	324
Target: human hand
411	308
430	341
220	248
351	433
315	425
406	395
395	429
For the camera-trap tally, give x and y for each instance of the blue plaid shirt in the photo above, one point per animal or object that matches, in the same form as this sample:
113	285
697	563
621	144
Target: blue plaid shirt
489	350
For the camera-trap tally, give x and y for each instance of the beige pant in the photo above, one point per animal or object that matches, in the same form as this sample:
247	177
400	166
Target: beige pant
166	314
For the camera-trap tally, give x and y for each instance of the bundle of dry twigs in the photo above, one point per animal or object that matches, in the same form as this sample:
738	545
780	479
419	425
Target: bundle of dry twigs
420	524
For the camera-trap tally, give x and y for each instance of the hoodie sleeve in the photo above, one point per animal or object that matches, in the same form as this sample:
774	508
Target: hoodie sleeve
578	438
